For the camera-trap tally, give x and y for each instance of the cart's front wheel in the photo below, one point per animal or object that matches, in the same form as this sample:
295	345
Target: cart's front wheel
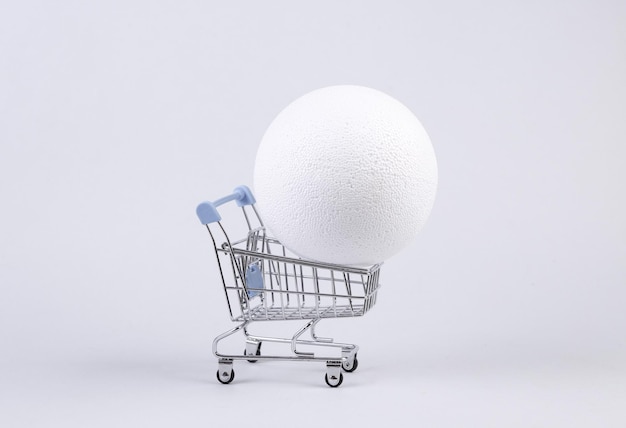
333	381
225	377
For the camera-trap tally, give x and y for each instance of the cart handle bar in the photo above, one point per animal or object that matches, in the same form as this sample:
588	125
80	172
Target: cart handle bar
207	211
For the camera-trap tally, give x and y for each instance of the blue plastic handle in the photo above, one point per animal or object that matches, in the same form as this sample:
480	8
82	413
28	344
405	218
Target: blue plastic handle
207	211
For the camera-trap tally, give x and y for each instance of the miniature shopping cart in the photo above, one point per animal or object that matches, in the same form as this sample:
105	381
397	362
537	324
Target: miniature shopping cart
263	281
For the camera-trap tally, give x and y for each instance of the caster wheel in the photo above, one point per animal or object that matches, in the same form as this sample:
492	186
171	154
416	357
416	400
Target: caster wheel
350	366
334	381
224	377
258	352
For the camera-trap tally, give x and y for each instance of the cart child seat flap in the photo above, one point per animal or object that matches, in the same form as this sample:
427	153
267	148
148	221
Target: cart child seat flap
254	280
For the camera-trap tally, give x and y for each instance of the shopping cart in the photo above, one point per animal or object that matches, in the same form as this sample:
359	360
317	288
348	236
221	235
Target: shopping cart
268	283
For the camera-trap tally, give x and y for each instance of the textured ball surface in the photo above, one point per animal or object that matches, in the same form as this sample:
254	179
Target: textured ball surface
346	175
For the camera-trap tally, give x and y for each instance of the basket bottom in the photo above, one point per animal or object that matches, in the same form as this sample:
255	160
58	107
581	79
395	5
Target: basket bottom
262	313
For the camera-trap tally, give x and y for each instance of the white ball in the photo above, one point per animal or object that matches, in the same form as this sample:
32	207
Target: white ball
346	175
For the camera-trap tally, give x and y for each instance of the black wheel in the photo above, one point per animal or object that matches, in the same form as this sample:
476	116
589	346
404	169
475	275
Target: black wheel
347	367
225	379
258	352
333	382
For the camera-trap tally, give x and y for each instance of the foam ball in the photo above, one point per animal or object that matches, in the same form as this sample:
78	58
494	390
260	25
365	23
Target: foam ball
346	175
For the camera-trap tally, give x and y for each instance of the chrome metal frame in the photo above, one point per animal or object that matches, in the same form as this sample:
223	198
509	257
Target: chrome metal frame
293	289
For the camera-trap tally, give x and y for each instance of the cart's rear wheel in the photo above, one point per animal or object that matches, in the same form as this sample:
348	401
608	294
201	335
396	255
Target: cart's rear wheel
350	366
225	377
333	381
258	352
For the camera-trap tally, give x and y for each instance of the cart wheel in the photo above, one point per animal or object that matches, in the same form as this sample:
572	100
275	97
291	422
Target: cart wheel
333	381
258	352
225	377
350	366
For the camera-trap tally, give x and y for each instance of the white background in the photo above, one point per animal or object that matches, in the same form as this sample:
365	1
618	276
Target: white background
118	117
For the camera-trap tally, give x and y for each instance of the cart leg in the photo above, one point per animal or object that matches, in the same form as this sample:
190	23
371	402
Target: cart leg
333	373
225	335
317	338
294	340
225	372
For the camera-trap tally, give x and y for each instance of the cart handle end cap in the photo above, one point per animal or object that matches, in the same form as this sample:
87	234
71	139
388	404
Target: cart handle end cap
207	213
